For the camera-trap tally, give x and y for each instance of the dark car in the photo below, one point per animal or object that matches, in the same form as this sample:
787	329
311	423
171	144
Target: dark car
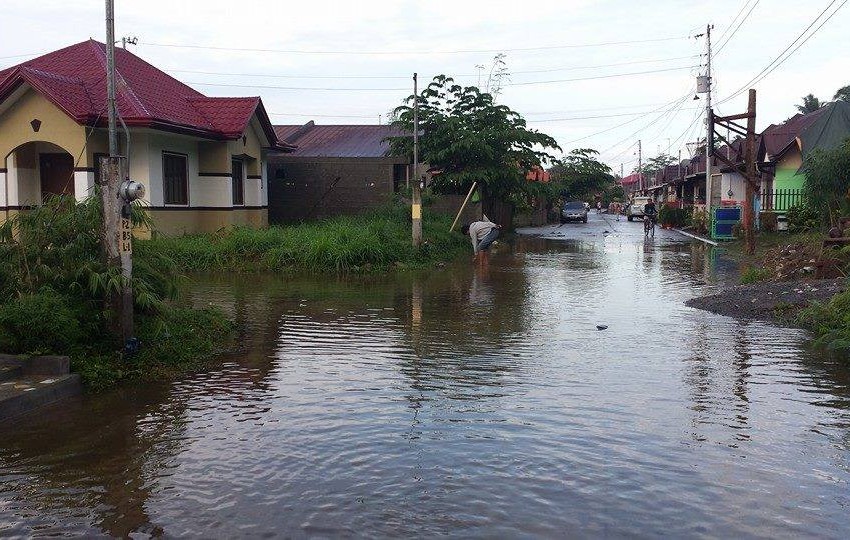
574	211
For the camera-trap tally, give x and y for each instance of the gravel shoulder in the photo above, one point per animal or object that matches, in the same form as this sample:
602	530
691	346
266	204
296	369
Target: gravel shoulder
772	301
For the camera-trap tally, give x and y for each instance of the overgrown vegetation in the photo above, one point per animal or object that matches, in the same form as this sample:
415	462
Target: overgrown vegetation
374	241
675	217
830	322
827	187
54	286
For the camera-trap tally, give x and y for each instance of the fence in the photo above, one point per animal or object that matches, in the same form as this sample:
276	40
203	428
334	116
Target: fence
781	199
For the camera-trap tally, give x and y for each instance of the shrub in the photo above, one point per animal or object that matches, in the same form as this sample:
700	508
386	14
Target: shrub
830	322
803	217
54	287
675	217
700	221
768	221
754	275
40	323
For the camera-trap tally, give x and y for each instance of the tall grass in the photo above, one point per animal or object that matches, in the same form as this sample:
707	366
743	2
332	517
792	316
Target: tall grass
377	240
54	289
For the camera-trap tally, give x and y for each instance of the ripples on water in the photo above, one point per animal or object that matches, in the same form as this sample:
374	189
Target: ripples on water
471	404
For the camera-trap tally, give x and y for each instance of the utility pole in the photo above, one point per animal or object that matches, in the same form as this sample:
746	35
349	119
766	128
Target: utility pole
116	197
416	199
750	178
621	170
709	127
640	164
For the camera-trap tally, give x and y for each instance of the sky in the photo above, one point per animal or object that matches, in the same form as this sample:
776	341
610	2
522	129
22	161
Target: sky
338	62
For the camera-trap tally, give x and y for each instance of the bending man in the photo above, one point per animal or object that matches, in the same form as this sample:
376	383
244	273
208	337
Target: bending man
482	233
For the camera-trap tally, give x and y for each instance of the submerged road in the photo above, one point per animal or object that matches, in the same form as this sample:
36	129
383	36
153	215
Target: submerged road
464	403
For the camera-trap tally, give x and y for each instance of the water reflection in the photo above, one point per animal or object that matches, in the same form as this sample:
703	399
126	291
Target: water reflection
478	403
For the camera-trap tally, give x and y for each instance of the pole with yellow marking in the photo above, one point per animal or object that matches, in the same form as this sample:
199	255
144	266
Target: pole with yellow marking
416	200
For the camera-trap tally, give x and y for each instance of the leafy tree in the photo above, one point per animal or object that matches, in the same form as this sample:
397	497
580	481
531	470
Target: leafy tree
655	164
580	175
810	104
467	137
827	187
843	93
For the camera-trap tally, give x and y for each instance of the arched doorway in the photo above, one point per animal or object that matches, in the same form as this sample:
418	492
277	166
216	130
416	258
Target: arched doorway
37	170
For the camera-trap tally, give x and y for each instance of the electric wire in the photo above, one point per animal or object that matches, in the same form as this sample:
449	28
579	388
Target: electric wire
735	31
407	77
779	60
417	53
404	89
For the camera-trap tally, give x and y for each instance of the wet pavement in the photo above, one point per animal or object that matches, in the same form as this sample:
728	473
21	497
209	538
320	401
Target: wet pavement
462	402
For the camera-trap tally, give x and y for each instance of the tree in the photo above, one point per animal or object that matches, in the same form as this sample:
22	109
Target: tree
810	104
827	187
655	164
843	93
581	176
468	138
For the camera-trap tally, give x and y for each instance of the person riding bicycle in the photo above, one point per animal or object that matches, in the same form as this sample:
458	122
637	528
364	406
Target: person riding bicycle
650	211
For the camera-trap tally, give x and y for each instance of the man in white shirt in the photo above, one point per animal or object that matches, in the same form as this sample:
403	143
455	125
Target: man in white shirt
483	234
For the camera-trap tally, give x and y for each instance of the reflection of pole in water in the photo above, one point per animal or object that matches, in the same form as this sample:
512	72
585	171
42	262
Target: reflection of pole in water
416	305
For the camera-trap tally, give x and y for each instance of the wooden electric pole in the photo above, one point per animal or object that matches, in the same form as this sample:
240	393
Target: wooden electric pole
416	206
750	183
748	169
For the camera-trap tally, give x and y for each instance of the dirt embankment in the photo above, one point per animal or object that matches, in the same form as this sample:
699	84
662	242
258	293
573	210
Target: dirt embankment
773	301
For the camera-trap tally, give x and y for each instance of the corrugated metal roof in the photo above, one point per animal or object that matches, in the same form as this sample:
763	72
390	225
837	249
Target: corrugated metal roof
341	141
777	137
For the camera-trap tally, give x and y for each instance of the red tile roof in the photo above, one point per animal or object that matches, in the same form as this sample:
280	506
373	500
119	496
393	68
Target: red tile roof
342	141
630	179
74	79
538	174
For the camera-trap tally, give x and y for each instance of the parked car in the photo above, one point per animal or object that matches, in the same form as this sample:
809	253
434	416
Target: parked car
635	209
574	211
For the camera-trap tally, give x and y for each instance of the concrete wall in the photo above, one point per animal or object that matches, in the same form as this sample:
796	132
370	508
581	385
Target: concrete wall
786	176
314	188
209	166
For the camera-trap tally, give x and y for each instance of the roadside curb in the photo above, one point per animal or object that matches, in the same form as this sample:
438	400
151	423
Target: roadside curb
695	237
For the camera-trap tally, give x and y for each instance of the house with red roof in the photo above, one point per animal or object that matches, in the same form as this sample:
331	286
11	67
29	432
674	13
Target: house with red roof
333	170
202	159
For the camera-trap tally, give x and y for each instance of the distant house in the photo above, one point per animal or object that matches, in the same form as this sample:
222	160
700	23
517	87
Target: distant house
201	158
333	170
784	146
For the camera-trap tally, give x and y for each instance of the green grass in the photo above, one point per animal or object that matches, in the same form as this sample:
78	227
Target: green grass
177	340
378	240
755	275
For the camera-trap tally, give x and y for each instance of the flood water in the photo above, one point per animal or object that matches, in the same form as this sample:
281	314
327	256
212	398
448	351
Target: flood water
463	403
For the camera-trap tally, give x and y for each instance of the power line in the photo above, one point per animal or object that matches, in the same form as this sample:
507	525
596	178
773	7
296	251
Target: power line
735	31
668	110
779	60
405	77
400	89
732	22
417	53
627	122
597	116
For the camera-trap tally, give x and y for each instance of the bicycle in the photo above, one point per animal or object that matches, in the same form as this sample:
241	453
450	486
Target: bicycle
648	227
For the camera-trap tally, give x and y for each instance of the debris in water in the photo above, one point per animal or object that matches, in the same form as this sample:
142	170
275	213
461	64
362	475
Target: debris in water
601	327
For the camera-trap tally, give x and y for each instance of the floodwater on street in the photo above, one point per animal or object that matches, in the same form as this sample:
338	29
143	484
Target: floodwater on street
462	402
